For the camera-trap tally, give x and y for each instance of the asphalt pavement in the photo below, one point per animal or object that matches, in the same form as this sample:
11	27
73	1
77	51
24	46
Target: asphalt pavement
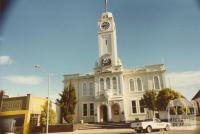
131	131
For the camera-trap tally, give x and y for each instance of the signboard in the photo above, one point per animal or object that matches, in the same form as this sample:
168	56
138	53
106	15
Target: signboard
12	104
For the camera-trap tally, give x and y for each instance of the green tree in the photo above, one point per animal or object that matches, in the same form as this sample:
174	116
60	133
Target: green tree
67	102
164	96
149	99
43	117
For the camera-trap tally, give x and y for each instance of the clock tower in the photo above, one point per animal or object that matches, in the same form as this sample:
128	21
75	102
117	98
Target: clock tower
107	40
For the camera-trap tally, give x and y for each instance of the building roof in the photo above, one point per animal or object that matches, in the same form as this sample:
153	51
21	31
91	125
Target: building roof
196	95
180	102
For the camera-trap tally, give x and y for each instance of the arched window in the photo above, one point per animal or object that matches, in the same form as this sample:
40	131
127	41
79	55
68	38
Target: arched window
131	84
108	83
139	84
114	82
156	82
91	89
198	107
84	89
101	84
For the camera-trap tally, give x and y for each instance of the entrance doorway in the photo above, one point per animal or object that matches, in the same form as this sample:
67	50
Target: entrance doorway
103	113
115	112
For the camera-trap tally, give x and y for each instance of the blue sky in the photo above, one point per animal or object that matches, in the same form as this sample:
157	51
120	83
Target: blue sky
61	36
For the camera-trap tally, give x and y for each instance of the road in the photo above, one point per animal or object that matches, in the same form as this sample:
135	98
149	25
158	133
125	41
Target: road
130	131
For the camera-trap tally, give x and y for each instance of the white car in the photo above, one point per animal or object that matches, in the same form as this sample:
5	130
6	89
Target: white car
149	125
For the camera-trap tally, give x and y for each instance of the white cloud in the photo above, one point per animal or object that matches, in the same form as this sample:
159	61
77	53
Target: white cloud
188	83
5	60
25	80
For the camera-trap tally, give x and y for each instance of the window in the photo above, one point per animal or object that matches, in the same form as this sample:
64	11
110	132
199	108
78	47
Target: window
101	84
134	109
197	106
139	84
141	102
131	84
108	46
157	120
34	119
108	83
91	89
114	83
91	109
84	109
156	82
84	89
191	111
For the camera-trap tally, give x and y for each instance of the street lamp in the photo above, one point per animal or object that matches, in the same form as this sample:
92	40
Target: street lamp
49	75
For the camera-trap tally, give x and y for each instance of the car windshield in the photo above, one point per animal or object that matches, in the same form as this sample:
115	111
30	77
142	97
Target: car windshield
157	120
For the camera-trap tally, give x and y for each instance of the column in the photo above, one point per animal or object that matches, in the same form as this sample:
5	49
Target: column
120	111
97	118
122	85
117	82
26	122
110	89
109	112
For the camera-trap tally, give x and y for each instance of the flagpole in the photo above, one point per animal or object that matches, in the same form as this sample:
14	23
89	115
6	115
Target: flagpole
106	5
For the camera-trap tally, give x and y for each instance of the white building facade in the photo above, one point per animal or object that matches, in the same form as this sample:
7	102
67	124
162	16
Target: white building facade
112	93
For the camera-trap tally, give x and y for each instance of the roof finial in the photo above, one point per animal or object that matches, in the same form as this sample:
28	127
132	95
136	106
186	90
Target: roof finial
106	4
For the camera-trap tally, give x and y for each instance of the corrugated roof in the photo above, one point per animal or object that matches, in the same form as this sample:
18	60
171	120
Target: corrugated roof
196	96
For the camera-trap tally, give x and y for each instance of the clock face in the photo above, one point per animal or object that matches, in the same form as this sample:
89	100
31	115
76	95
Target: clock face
105	25
106	61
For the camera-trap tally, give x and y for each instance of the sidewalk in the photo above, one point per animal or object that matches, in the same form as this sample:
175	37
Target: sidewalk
100	131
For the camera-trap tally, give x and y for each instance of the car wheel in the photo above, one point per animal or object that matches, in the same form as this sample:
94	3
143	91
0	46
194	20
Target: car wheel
167	128
149	129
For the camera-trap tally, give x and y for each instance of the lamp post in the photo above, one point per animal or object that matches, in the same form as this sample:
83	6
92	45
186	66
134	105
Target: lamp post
49	80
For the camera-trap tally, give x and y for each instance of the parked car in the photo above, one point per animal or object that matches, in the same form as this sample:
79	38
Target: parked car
150	124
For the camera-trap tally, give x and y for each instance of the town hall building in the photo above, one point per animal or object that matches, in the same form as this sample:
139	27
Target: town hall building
112	93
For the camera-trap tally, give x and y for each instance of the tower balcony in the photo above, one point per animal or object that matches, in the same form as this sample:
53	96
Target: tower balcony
104	93
107	93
